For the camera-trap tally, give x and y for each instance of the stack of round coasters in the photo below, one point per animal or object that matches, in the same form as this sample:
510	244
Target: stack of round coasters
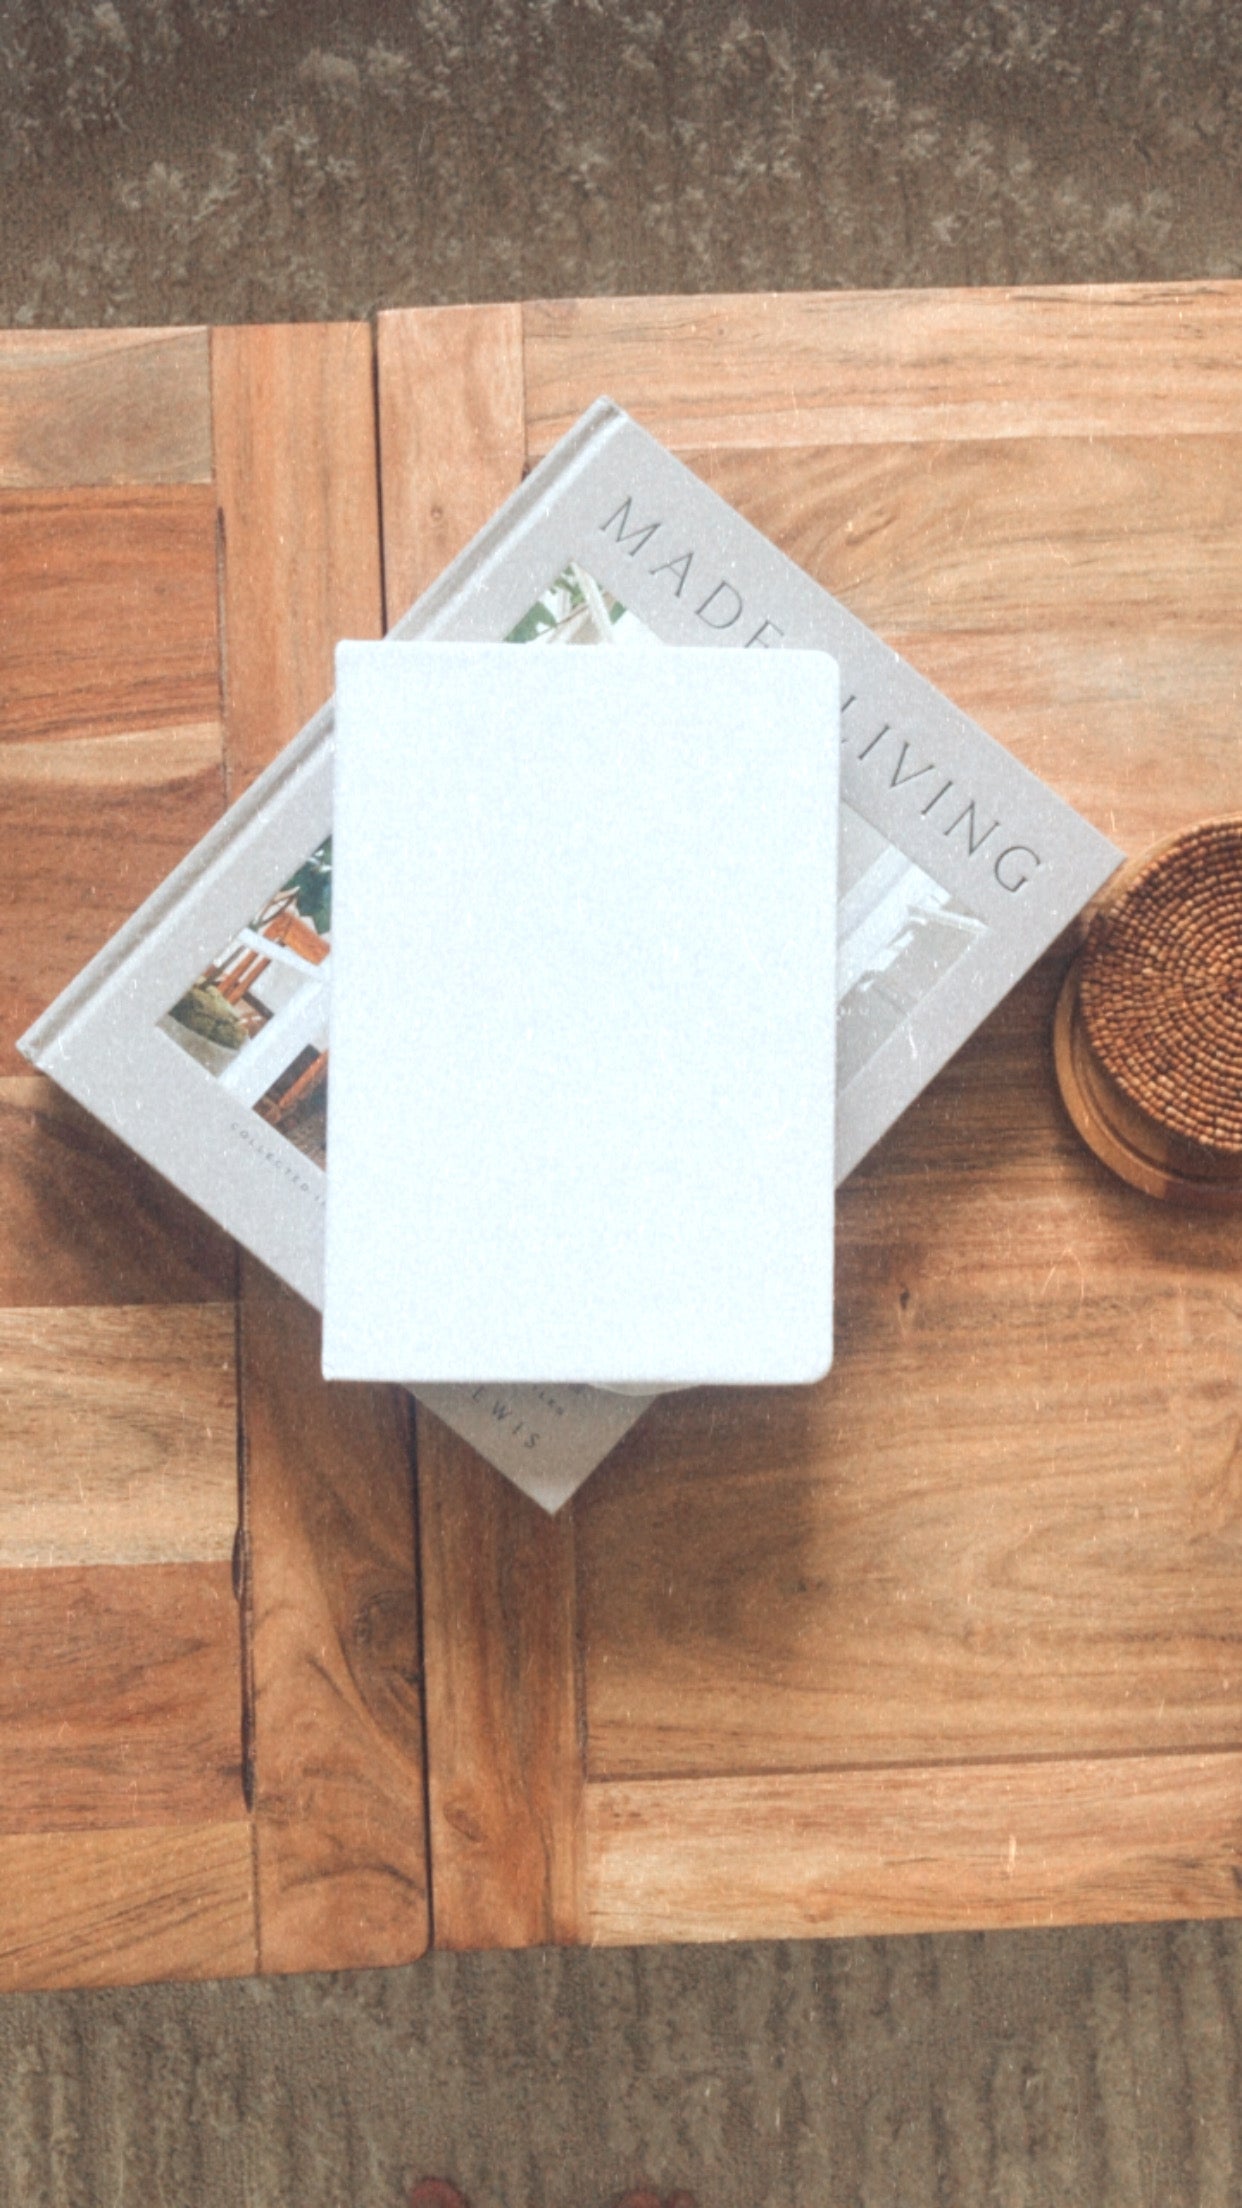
1148	1031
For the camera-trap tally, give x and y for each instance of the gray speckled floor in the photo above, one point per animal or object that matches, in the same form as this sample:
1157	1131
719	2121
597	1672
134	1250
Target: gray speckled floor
1030	2070
239	159
245	159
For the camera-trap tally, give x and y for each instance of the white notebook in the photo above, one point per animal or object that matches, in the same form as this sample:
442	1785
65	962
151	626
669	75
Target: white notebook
583	1017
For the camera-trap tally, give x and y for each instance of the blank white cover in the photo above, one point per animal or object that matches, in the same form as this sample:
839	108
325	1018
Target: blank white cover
582	1090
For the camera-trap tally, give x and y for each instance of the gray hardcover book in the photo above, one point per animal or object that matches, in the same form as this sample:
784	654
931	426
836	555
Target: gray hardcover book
199	1034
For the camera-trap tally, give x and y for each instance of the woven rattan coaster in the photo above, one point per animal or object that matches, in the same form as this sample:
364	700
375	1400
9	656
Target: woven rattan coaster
1148	1031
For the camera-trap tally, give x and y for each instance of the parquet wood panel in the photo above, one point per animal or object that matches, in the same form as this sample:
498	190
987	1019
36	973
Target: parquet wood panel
775	370
452	434
125	1905
118	1477
78	853
118	1434
503	1714
294	425
957	1849
179	1796
103	406
157	1740
125	1846
336	1730
110	611
335	1754
83	1221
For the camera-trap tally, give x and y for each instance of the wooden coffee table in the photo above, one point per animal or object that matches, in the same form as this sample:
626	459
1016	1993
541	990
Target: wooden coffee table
955	1639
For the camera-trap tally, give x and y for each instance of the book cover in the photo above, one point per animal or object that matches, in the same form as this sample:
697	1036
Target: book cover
583	1044
198	1034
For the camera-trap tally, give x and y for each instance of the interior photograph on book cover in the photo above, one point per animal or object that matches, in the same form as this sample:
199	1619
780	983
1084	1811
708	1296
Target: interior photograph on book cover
898	933
256	1018
575	610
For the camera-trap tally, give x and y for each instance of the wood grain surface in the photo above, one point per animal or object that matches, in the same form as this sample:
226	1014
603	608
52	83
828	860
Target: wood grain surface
126	1904
125	1846
118	1434
774	370
77	860
158	1738
110	610
103	406
1049	1566
503	1716
334	1750
452	434
335	1736
952	1639
1000	568
296	474
138	1721
952	1849
111	750
83	1221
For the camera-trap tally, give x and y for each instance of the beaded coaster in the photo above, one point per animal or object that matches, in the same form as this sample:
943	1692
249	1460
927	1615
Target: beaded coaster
1148	1032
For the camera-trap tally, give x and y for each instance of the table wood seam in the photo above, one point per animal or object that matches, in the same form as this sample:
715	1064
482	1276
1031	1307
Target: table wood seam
683	1774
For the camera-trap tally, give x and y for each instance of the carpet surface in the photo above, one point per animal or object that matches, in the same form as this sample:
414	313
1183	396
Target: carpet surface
168	160
1016	2069
253	159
